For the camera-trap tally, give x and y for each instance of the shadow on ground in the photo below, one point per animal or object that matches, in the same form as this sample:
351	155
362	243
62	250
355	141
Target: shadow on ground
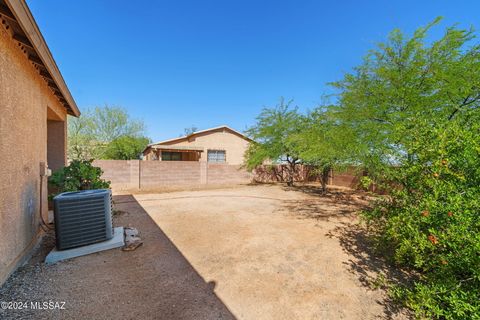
367	265
371	270
334	204
153	282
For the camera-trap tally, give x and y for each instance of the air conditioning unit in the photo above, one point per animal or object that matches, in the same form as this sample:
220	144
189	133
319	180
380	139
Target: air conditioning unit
82	218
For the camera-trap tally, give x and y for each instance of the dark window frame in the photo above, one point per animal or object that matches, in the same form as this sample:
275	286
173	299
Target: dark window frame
171	156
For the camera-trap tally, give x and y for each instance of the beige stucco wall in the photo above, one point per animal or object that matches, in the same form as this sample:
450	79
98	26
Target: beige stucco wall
56	144
26	103
221	139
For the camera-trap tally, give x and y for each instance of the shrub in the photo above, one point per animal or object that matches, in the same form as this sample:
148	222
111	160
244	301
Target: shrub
433	226
79	175
366	182
125	148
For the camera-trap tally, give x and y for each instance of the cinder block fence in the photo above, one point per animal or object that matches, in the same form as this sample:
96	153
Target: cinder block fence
137	174
144	175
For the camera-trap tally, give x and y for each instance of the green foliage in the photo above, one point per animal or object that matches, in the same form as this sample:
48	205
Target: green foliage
322	142
125	148
81	141
89	135
79	175
273	135
413	109
435	228
366	182
110	123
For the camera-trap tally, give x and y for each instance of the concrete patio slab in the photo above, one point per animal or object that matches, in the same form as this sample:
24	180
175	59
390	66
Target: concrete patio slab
116	242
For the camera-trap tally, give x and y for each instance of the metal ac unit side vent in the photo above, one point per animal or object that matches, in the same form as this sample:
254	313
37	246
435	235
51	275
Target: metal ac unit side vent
82	218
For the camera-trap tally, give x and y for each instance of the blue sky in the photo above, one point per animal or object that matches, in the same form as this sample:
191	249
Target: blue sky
180	63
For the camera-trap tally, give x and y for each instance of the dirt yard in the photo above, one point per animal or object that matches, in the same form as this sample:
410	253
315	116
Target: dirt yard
252	252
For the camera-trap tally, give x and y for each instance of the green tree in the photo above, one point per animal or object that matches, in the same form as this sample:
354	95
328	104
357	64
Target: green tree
273	135
413	107
110	123
125	148
81	142
90	135
402	88
322	143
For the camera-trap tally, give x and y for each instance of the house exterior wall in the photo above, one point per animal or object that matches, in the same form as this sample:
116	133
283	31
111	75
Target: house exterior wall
26	103
221	139
56	144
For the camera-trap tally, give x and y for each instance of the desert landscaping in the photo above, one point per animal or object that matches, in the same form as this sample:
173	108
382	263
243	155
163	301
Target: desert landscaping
246	252
239	160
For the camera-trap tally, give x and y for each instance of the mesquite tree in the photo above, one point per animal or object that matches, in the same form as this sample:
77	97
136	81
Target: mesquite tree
414	108
323	143
105	133
273	134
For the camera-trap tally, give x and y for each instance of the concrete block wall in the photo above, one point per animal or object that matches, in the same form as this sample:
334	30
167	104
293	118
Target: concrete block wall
277	173
169	173
345	179
123	174
136	174
222	174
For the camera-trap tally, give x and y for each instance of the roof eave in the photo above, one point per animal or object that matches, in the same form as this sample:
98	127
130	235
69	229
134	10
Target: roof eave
198	132
26	21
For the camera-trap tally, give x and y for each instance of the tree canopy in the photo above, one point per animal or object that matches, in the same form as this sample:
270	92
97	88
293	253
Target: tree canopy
404	87
105	132
125	148
273	135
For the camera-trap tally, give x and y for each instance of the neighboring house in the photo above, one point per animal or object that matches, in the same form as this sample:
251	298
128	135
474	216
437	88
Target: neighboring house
34	103
218	145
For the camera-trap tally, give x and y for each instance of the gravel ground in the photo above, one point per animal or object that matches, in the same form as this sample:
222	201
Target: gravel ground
253	252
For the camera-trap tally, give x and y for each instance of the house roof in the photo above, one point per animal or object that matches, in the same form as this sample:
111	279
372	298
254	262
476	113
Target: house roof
18	19
199	132
178	148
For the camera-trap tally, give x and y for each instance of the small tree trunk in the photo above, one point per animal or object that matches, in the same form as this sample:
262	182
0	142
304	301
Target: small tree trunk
324	178
291	172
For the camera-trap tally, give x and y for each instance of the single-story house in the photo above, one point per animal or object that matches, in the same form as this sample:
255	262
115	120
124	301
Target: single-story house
34	103
218	145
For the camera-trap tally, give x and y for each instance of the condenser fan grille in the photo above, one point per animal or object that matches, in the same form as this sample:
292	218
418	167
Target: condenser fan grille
82	218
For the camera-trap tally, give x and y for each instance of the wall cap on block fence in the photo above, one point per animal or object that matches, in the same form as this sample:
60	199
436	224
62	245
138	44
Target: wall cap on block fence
142	175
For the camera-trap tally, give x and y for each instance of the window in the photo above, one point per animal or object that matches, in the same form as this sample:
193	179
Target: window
171	156
216	156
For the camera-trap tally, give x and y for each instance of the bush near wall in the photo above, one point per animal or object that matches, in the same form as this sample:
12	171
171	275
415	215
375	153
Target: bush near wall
348	177
278	173
78	175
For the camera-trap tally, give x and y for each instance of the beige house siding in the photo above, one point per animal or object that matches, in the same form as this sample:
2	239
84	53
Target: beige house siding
231	142
27	108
